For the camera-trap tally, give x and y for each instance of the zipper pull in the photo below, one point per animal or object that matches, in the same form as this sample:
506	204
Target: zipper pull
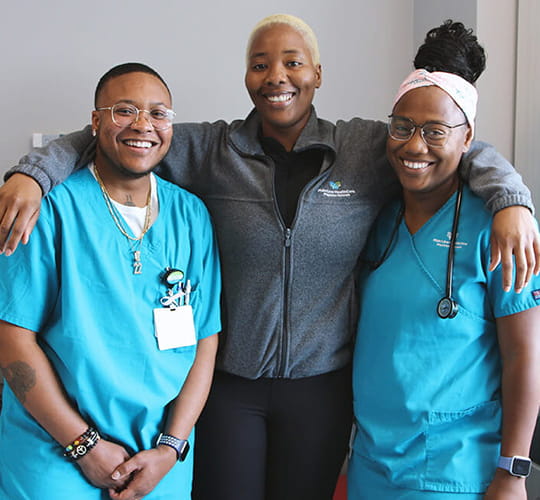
287	237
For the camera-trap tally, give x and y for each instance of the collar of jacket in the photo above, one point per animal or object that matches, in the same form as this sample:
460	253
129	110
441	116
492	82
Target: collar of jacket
317	132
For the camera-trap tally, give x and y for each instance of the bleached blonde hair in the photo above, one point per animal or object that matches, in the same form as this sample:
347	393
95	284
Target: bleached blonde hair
295	23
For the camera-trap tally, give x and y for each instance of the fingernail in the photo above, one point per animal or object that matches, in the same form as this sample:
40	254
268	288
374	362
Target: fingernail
8	252
115	475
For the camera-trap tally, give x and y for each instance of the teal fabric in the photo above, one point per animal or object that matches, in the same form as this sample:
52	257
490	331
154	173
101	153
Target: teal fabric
74	284
426	389
368	483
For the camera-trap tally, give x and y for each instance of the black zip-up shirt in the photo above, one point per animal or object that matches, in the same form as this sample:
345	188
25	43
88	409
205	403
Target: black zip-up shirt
293	170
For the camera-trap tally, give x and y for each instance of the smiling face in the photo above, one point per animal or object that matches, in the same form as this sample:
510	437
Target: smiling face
281	79
131	151
422	169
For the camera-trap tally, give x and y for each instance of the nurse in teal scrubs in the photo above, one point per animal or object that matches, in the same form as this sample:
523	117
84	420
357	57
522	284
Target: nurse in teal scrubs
442	388
107	364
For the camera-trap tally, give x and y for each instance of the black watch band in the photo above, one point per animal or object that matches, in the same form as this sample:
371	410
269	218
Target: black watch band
181	446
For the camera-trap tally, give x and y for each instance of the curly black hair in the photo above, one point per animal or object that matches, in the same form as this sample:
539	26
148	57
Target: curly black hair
452	48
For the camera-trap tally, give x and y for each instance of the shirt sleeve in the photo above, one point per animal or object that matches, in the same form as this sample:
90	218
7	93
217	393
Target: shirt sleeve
29	284
52	164
207	316
506	303
494	179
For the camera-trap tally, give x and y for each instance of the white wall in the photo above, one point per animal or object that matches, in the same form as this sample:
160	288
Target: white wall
431	13
54	51
496	30
528	95
494	22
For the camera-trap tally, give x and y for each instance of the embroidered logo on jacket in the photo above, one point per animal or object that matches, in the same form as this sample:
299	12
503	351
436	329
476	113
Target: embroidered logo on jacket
335	190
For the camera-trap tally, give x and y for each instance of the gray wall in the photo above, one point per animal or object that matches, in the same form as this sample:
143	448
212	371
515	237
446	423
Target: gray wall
55	51
527	145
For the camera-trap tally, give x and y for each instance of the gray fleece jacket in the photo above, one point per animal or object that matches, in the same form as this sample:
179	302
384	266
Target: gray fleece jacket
289	297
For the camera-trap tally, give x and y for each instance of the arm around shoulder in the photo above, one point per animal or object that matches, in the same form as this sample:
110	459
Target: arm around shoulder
494	178
514	232
43	168
20	201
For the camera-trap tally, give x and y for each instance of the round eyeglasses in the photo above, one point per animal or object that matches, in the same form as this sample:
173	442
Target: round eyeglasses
124	115
434	134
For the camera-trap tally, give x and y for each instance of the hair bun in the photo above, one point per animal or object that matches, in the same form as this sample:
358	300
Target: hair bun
452	48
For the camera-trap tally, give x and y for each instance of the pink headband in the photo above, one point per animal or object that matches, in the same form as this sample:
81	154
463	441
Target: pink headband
460	90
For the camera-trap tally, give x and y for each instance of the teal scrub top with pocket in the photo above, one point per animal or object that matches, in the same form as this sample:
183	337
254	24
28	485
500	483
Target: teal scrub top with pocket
74	285
427	390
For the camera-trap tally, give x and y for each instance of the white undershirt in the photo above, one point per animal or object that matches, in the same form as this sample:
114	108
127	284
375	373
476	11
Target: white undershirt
134	217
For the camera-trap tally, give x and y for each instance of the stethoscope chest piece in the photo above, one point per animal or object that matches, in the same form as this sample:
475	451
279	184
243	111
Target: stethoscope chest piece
447	308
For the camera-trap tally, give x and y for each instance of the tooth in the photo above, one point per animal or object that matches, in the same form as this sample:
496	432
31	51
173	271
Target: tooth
415	165
139	144
280	98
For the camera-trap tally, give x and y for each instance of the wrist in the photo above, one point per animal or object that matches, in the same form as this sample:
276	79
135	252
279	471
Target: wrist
179	446
167	453
80	446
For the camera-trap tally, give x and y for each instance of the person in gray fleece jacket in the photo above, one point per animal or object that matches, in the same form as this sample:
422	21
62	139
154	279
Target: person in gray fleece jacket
292	198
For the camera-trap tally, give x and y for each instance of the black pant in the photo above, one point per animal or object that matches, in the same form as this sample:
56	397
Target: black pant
273	439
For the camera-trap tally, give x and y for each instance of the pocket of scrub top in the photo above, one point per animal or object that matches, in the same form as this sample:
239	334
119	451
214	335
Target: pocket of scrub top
463	447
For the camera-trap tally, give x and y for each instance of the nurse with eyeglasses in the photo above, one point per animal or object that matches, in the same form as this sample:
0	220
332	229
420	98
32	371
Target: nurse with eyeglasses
445	408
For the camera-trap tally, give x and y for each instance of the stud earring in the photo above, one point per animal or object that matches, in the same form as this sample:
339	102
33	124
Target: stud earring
94	132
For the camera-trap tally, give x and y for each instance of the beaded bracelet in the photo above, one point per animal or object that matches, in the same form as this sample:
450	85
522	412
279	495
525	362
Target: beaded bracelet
82	445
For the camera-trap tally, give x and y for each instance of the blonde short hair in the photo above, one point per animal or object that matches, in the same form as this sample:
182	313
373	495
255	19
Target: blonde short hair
295	23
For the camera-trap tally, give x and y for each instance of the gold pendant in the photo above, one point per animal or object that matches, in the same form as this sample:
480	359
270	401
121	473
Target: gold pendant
137	264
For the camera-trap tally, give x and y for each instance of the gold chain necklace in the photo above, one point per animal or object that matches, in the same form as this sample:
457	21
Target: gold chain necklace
135	246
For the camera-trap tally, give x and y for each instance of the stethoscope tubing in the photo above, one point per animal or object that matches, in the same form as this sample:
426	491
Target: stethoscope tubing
447	307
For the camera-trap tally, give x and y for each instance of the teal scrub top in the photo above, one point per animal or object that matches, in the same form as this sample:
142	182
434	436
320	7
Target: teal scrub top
427	390
74	285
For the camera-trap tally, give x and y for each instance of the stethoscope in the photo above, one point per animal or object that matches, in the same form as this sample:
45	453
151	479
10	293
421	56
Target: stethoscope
447	307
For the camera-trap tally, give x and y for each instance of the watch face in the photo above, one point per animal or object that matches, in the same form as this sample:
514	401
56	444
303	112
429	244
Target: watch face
184	451
521	467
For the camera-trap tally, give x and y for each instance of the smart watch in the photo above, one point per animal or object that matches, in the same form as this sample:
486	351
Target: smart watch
181	446
516	465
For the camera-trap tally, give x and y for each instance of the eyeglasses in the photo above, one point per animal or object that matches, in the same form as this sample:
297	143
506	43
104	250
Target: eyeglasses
124	115
434	134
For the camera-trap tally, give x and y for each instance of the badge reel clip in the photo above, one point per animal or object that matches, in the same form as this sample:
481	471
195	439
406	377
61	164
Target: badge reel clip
172	279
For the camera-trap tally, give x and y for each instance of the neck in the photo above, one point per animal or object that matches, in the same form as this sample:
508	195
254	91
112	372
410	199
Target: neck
122	189
420	207
287	135
286	139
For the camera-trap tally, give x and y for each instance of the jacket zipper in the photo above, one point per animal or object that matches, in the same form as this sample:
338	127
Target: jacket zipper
282	366
283	350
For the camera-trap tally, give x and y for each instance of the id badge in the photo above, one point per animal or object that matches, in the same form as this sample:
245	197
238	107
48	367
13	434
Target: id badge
174	327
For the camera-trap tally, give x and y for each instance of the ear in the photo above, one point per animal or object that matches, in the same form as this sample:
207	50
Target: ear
95	121
468	139
318	73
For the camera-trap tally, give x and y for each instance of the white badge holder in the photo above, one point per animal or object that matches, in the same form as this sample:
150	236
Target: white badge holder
174	327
